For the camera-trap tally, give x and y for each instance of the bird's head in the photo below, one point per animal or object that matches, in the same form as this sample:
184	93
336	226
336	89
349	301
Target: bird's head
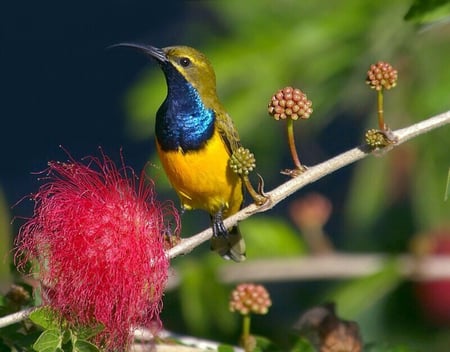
189	62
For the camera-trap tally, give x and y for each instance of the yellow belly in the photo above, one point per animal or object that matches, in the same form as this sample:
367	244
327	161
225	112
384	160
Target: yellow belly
203	179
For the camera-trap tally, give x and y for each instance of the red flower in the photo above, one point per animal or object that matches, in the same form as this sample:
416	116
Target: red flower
99	243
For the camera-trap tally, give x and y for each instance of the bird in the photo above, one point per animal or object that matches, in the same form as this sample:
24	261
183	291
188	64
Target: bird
195	138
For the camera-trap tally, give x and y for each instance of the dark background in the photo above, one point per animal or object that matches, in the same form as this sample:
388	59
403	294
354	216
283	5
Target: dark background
62	86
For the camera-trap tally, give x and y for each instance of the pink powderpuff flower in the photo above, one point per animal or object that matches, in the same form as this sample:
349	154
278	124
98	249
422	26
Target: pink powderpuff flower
99	244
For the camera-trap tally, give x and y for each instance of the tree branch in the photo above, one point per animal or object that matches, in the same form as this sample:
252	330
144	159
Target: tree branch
336	266
313	174
15	317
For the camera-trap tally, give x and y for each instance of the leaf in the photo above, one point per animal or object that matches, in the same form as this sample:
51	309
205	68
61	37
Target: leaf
86	332
225	348
302	345
426	11
49	341
46	318
264	344
84	346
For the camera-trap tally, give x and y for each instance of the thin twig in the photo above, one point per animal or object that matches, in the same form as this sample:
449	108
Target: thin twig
313	173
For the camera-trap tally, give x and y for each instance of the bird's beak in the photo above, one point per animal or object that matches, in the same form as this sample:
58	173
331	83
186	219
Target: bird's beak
155	53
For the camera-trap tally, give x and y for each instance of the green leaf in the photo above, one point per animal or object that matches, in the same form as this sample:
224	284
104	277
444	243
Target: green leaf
302	345
86	332
264	344
84	346
426	11
46	318
49	341
225	348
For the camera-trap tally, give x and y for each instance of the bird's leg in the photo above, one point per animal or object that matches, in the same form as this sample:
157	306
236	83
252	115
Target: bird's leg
218	227
258	197
171	238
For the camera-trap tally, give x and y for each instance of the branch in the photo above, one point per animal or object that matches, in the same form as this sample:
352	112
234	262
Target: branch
313	174
15	317
184	343
336	266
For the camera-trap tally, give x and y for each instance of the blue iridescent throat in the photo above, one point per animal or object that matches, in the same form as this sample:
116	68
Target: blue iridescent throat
182	121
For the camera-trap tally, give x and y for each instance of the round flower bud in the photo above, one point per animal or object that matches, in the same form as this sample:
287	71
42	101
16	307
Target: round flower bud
250	298
290	103
379	139
381	75
242	161
375	139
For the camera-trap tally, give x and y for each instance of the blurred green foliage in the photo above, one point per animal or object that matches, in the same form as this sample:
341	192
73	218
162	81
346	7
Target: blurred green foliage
325	49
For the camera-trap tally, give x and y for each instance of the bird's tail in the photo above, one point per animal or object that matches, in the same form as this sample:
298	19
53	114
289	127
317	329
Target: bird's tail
229	244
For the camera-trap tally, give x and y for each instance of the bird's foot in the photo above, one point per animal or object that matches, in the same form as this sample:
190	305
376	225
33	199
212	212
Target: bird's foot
259	197
294	172
218	227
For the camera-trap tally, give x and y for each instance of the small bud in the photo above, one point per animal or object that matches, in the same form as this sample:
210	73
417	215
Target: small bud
381	75
290	102
380	139
374	138
242	161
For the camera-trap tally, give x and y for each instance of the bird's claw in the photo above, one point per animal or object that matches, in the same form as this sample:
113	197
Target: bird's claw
294	172
218	227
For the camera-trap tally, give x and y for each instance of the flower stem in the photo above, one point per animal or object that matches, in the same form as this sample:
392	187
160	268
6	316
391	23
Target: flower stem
381	123
291	141
246	332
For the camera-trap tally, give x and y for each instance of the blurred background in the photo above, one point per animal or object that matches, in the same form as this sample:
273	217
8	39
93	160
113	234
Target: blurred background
62	86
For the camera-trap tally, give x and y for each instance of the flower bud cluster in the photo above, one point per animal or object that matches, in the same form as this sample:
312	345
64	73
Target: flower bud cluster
242	161
290	103
250	298
381	75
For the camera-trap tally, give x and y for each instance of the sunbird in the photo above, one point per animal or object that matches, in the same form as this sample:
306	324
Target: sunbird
195	138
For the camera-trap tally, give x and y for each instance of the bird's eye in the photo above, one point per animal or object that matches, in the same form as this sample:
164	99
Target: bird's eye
185	62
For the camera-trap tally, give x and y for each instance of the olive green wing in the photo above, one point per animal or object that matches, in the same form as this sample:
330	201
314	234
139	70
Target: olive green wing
228	131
